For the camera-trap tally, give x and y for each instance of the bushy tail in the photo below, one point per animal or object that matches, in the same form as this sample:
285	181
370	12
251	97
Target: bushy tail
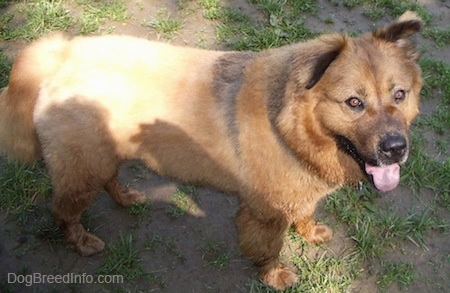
18	138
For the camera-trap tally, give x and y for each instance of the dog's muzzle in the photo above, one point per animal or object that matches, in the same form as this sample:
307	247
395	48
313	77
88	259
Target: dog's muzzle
384	168
392	151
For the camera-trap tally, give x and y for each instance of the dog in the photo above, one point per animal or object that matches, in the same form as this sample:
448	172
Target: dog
281	128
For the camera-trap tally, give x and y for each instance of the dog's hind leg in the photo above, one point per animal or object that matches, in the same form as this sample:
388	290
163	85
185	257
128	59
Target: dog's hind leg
76	181
312	231
122	195
261	241
81	157
68	207
70	200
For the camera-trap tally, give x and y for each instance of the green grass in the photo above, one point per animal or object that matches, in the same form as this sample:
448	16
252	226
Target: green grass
4	3
215	253
122	259
401	273
440	36
138	209
283	26
25	198
436	75
141	211
5	68
182	201
375	228
375	9
165	24
96	14
288	8
5	31
160	245
156	242
423	171
211	8
21	187
329	19
42	17
328	272
374	12
352	3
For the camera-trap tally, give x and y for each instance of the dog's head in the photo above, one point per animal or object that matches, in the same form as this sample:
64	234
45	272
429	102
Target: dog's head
366	94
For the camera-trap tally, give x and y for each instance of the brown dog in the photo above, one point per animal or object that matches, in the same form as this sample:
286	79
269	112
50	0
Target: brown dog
282	128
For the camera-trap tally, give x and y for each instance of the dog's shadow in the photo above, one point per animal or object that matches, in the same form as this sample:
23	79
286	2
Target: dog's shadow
191	225
187	237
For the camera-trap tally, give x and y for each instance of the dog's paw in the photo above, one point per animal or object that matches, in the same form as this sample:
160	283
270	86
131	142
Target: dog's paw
130	197
319	233
314	232
89	244
122	195
279	277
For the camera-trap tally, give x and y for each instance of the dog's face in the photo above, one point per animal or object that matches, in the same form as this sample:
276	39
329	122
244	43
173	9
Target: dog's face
368	97
371	106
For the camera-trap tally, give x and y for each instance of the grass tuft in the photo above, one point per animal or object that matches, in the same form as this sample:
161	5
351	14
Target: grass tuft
283	26
5	31
43	17
352	3
375	9
140	210
165	24
440	36
401	273
211	8
95	14
422	171
328	273
122	259
373	228
152	242
21	186
216	254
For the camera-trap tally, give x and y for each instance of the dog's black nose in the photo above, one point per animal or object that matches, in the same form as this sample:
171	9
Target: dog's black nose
394	146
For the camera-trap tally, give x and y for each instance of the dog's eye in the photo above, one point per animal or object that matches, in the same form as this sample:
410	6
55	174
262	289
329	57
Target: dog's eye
399	96
355	103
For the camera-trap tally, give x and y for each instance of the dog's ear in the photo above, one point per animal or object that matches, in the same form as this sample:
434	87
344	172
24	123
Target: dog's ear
400	31
330	48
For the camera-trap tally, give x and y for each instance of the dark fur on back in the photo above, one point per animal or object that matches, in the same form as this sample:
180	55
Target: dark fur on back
229	75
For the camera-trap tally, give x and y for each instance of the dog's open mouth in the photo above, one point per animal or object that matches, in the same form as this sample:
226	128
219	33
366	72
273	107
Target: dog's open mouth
384	177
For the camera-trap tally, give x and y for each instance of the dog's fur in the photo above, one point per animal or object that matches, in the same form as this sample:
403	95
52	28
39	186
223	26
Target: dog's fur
282	128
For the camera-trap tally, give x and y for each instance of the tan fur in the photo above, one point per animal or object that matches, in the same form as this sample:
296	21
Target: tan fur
267	126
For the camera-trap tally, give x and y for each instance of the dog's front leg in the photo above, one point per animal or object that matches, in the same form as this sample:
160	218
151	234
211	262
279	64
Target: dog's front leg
261	239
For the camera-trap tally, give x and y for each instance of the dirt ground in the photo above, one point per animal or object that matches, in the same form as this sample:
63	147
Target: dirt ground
184	266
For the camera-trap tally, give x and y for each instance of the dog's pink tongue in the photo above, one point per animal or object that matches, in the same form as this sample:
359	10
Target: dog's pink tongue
385	178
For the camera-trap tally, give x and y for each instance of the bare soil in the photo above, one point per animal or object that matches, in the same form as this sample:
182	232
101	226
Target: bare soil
184	266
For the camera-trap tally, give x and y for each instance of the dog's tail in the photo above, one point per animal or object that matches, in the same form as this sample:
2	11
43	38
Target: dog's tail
18	137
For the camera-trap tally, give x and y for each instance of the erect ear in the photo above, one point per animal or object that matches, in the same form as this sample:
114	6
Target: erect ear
330	47
400	31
